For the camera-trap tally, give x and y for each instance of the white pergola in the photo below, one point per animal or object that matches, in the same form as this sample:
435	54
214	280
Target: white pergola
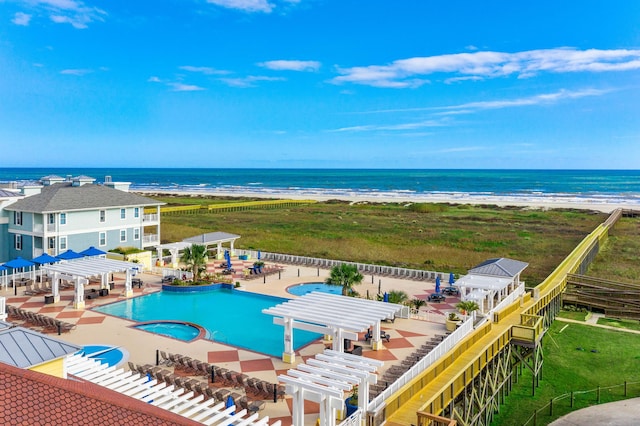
217	239
337	316
484	290
174	249
325	378
79	271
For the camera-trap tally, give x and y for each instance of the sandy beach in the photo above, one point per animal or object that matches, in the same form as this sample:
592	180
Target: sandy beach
533	203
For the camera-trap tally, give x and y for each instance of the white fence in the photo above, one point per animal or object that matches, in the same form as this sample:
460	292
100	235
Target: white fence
353	420
365	268
443	347
512	297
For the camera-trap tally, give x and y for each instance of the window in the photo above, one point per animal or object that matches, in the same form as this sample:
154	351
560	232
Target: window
136	212
51	242
17	218
123	213
123	235
103	238
63	243
103	216
63	218
52	219
136	233
17	241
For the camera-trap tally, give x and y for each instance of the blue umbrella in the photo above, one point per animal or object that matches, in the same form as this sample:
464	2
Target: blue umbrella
227	256
92	251
259	254
452	279
19	263
437	284
229	403
385	298
69	255
44	259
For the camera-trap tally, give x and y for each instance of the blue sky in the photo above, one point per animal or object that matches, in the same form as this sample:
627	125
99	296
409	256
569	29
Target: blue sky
320	83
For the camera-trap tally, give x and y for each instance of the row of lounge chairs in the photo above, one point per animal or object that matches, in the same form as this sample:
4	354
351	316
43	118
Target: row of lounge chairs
35	288
222	376
198	387
39	320
395	371
264	271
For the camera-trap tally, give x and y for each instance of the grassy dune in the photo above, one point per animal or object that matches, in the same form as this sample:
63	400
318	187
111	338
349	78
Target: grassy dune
424	236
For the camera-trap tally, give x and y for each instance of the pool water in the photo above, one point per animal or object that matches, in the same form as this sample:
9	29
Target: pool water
302	289
109	355
231	317
176	330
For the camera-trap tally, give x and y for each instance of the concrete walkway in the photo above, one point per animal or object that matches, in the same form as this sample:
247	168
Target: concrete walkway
593	322
619	413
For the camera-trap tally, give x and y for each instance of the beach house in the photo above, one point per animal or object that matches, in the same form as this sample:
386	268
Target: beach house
59	214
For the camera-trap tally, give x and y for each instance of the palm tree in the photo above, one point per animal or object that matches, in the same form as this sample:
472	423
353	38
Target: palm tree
398	296
195	257
418	303
467	306
345	275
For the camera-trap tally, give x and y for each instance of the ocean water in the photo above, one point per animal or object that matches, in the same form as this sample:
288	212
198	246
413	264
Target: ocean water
598	186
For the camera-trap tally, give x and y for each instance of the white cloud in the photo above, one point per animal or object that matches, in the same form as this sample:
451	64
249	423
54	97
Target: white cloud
181	87
395	127
481	65
245	5
248	81
289	65
154	79
203	70
73	12
21	19
78	71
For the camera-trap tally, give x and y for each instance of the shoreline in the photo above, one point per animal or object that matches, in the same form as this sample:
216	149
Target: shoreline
538	203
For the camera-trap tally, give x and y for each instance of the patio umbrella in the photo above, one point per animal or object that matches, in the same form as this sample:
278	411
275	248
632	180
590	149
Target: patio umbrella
227	257
92	251
18	263
69	255
437	284
385	298
452	279
259	254
229	403
44	259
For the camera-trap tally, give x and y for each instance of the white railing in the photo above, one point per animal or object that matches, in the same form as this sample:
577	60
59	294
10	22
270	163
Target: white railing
150	238
51	227
512	297
38	227
181	275
353	420
3	308
151	217
365	268
443	347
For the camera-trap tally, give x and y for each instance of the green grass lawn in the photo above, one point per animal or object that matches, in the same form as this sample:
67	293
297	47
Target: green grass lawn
573	315
629	324
576	358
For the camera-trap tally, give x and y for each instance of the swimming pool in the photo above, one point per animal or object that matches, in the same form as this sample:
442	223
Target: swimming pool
110	355
302	289
232	317
177	330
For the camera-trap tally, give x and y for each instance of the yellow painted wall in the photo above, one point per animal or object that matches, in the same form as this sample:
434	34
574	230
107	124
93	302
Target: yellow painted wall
52	368
143	258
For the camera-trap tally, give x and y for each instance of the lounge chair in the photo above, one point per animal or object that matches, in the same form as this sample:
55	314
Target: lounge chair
165	359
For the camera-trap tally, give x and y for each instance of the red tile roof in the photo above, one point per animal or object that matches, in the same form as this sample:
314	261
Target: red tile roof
31	398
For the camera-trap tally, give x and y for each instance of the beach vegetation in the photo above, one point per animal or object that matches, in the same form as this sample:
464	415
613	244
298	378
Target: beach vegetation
397	296
346	276
453	240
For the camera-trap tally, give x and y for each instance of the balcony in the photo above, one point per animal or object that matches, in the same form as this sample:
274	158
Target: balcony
152	217
51	227
150	240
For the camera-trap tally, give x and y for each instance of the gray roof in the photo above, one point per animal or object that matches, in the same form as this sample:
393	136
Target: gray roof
25	348
212	237
499	267
9	194
65	197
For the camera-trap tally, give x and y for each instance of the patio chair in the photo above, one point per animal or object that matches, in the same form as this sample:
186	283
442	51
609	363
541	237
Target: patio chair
164	359
222	394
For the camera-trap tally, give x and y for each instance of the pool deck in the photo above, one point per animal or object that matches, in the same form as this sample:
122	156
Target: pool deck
94	328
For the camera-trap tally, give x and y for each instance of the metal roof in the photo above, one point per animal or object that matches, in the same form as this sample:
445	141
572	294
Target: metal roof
65	197
212	238
499	267
9	194
26	348
347	313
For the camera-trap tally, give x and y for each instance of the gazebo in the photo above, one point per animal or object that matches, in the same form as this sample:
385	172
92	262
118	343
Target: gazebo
331	314
79	271
217	239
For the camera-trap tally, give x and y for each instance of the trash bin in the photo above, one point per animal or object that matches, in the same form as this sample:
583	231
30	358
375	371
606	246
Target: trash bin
103	292
48	299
